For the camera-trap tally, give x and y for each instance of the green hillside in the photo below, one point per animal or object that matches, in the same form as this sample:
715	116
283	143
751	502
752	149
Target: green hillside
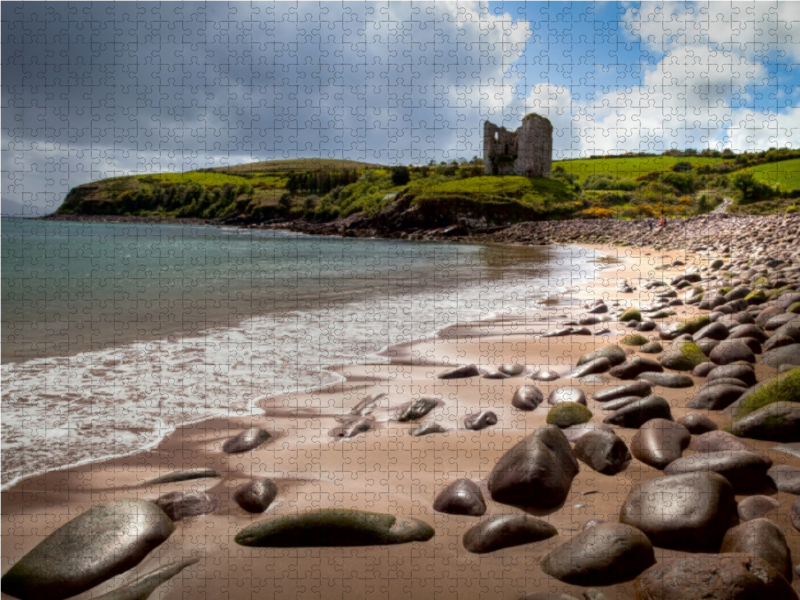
631	167
785	173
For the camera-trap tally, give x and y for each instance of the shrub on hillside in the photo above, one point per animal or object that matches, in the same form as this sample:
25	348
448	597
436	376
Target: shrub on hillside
598	213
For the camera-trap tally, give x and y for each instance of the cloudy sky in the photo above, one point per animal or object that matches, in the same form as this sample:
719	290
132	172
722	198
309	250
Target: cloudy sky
93	90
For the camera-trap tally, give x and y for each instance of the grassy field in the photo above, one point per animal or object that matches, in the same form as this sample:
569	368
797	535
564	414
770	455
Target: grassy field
785	173
629	168
297	164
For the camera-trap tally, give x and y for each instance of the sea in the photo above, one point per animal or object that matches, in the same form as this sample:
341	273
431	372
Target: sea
114	334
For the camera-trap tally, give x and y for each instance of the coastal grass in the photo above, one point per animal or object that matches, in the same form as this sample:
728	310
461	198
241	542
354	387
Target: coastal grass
784	173
630	167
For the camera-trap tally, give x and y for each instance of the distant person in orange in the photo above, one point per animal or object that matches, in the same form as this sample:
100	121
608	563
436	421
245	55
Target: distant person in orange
662	222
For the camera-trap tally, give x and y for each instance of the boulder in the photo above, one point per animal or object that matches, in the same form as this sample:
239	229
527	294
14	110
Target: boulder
669	380
713	577
613	353
598	365
537	472
756	507
716	397
634	339
566	414
750	331
703	369
707	346
718	441
334	527
785	355
785	387
603	451
778	422
651	348
697	423
512	370
630	314
682	356
246	440
95	546
786	478
256	495
481	420
182	505
636	414
713	331
638	388
605	554
742	372
794	515
746	471
635	366
527	397
576	432
505	531
462	497
731	351
566	394
460	372
660	442
417	409
760	538
689	511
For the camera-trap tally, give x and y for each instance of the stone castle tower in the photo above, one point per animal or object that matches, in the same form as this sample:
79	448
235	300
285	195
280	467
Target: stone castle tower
527	151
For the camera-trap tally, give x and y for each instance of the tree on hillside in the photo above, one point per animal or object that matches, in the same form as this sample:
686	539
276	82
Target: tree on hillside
401	175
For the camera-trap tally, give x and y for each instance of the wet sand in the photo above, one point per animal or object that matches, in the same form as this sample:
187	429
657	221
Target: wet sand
383	470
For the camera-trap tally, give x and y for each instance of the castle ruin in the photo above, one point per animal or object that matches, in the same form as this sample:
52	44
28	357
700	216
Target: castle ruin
527	151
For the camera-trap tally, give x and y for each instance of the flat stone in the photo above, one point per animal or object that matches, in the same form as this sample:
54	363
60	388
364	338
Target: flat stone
637	413
182	505
746	471
668	380
566	394
756	507
352	427
634	367
792	448
505	531
186	475
615	405
606	554
732	351
576	432
95	546
247	440
334	527
785	355
424	429
512	369
256	495
527	397
716	397
742	372
142	588
495	375
417	409
637	388
598	365
481	420
786	478
660	442
697	423
462	497
603	451
651	348
762	539
777	422
536	472
460	372
713	577
661	509
718	441
545	375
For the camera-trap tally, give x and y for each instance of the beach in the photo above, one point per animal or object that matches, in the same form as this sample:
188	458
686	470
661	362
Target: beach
387	470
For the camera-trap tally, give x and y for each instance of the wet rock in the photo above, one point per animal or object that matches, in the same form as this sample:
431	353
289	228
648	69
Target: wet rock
760	538
256	495
104	541
576	432
603	451
681	356
462	497
424	429
713	331
636	414
352	427
742	372
645	326
634	367
182	505
716	397
512	369
778	422
505	531
479	421
598	309
718	441
703	369
779	321
249	439
186	475
785	355
613	353
545	375
765	315
697	423
334	527
368	404
786	478
460	372
669	380
634	339
566	394
536	472
707	346
731	351
598	365
495	375
756	507
778	341
651	348
750	331
658	507
606	554
142	588
567	414
417	409
638	388
746	471
713	577
614	405
794	515
527	397
660	442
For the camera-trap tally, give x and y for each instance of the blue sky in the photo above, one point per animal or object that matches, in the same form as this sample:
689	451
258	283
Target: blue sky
96	90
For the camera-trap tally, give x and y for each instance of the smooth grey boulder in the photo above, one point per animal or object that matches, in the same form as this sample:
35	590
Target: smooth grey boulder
750	331
334	527
246	440
481	420
716	397
779	321
660	508
637	388
731	351
613	353
778	341
142	588
725	381
566	394
603	451
660	442
765	315
786	478
527	397
505	531
706	346
104	541
634	367
462	497
703	369
424	429
512	370
605	554
576	432
668	380
777	422
613	405
536	472
495	375
545	375
651	348
417	409
182	505
713	577
636	414
763	539
460	372
256	495
697	423
746	471
713	331
756	507
785	355
718	441
598	365
186	475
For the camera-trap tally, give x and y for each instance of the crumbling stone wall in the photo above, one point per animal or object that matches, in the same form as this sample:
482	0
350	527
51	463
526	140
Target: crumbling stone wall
527	151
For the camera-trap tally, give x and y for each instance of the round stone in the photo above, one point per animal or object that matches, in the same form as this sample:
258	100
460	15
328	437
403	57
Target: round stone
505	531
462	497
566	394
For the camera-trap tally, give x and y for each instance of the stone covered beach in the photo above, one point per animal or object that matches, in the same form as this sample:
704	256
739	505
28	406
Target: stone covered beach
637	436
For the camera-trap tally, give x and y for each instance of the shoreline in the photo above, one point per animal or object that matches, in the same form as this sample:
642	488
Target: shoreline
385	470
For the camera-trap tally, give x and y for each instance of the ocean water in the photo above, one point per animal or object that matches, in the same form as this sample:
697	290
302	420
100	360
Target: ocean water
114	334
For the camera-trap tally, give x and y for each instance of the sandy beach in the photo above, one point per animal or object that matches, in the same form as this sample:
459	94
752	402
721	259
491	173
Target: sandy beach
385	469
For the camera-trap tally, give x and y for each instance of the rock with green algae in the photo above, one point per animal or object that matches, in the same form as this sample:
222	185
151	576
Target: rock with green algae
776	422
690	326
652	348
683	356
567	414
794	308
613	353
634	339
631	314
782	388
756	297
334	527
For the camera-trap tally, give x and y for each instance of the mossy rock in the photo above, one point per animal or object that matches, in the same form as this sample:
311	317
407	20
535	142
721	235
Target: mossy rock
724	290
776	422
717	264
691	326
782	388
663	314
334	527
613	353
634	339
567	414
794	308
683	356
761	281
756	297
652	348
631	314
